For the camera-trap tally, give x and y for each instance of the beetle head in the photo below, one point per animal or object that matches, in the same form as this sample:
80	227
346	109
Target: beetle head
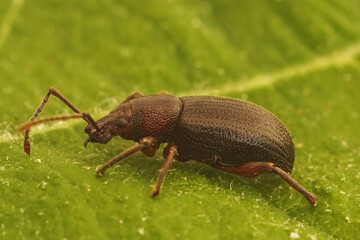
118	122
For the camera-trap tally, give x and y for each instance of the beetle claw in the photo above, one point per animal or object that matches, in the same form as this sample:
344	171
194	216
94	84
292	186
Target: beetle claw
155	193
86	142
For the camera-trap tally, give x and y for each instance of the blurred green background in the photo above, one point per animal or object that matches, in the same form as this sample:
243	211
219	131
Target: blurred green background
298	59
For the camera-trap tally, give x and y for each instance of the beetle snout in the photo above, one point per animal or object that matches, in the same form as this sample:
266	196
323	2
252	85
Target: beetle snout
99	137
91	131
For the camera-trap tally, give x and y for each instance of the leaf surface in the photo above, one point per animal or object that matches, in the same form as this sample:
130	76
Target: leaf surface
299	60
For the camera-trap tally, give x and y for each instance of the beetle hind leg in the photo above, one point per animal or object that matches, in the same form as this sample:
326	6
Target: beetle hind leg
253	169
250	170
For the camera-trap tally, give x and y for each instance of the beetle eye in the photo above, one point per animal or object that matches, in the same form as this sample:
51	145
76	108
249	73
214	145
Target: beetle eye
121	122
87	129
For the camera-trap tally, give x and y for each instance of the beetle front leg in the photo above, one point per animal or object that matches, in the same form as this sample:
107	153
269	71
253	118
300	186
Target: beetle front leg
145	143
170	153
253	169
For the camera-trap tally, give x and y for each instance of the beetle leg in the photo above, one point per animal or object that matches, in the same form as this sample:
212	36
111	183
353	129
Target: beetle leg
147	142
250	170
170	151
253	169
132	96
294	184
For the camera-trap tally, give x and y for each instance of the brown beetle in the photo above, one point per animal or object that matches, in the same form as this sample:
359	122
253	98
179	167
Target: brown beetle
230	135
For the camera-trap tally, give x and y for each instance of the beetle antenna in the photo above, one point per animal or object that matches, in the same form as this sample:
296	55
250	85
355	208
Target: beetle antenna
28	125
56	93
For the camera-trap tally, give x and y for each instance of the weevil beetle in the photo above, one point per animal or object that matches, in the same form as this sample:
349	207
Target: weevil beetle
227	134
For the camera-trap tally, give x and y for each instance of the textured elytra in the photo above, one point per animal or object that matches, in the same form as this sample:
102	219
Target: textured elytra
232	132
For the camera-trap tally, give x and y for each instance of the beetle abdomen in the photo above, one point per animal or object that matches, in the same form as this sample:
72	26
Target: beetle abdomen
232	132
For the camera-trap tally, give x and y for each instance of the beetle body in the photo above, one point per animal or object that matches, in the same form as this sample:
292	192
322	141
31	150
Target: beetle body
228	134
208	129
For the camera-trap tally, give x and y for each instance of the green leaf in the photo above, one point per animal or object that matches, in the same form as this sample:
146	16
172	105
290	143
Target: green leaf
299	60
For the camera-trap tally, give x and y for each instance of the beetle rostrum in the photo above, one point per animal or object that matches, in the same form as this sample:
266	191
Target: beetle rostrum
227	134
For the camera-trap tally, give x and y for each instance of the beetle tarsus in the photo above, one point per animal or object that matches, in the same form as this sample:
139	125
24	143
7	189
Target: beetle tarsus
86	142
155	193
98	172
